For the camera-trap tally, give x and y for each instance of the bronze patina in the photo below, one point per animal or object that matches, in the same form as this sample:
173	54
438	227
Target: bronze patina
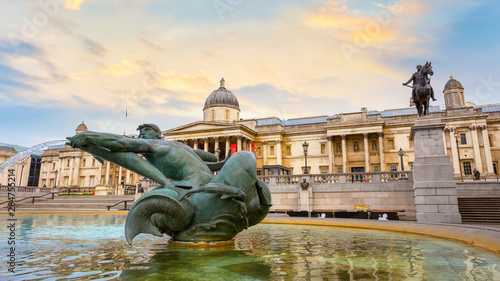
191	203
422	90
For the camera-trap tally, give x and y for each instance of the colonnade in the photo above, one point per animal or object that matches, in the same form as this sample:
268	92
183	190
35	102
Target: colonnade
475	132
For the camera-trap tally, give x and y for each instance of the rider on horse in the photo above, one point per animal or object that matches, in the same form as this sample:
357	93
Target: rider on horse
414	79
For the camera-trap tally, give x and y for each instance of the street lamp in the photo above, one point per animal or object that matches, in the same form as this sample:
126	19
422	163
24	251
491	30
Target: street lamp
55	180
305	146
459	161
401	153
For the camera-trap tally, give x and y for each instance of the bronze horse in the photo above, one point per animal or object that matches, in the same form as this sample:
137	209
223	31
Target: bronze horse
423	90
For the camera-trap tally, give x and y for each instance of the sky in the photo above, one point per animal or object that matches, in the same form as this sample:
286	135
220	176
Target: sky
115	64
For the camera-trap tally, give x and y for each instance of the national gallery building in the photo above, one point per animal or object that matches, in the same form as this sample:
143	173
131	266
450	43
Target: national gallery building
364	141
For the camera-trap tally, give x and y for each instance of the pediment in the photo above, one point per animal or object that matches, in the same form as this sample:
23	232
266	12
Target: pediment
200	126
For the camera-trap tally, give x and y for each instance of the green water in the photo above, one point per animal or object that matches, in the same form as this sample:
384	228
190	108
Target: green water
93	247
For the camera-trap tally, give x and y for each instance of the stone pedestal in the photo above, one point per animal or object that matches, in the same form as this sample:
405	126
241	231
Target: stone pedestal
434	187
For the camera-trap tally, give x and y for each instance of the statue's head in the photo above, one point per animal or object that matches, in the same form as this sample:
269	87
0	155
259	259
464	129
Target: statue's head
149	131
419	67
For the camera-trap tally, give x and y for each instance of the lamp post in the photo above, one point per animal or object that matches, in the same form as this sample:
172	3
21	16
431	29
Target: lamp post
305	146
459	161
55	179
401	153
123	185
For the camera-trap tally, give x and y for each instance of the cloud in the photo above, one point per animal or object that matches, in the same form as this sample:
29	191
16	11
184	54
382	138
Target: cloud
125	68
93	47
18	47
151	45
73	4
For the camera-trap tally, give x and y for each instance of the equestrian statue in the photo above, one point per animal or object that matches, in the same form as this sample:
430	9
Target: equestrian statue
422	90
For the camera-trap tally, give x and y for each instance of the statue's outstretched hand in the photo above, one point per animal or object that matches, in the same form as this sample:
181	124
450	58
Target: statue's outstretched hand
78	141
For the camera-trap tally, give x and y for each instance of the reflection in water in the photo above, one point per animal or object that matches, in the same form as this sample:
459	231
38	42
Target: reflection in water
84	247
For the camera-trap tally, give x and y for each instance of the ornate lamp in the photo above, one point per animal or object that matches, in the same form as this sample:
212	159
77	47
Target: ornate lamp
459	161
401	153
305	146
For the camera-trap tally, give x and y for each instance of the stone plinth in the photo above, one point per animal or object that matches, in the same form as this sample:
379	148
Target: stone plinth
434	187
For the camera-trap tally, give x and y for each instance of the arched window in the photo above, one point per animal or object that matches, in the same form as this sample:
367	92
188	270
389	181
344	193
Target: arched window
212	114
227	114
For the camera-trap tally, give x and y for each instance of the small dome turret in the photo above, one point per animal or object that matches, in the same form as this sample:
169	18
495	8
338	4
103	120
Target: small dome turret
221	105
81	128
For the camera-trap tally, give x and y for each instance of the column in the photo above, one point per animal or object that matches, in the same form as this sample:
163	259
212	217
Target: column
228	144
216	145
60	175
238	143
264	154
454	152
381	150
119	176
244	144
106	180
49	163
331	158
71	163
487	150
76	177
195	144
278	152
127	177
344	154
99	174
367	153
475	145
205	144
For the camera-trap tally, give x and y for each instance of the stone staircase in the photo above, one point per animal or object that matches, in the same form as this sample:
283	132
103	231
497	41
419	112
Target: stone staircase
73	203
480	210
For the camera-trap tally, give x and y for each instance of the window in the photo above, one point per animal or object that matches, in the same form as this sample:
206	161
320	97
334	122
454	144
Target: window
495	165
66	181
82	181
491	142
93	162
338	148
259	151
463	139
376	168
374	145
212	114
467	168
227	114
324	170
411	166
110	180
271	150
92	178
102	180
393	167
84	161
53	166
391	144
51	183
339	170
44	182
130	179
356	146
323	148
288	151
67	163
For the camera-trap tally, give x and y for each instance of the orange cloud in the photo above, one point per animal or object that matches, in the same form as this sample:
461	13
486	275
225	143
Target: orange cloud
124	68
73	4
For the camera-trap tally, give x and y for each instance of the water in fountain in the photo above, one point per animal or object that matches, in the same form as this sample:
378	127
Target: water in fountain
21	156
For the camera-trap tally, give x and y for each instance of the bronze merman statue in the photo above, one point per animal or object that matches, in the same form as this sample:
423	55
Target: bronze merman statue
191	203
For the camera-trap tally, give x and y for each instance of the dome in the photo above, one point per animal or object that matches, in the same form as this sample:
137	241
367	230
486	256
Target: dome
81	128
222	97
452	84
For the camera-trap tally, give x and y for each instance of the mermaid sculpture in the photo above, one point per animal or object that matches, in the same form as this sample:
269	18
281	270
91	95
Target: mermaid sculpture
191	204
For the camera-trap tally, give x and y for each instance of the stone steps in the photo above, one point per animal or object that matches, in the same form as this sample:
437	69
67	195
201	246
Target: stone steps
480	210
